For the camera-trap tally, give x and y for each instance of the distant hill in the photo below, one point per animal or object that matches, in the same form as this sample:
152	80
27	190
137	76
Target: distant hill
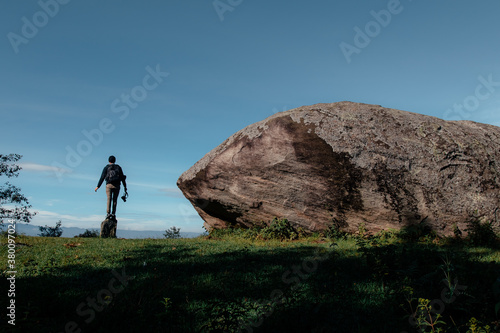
33	230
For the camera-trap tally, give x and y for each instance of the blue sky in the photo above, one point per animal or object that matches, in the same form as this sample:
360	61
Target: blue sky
158	84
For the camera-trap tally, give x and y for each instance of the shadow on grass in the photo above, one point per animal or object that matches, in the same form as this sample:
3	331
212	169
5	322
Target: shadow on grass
216	286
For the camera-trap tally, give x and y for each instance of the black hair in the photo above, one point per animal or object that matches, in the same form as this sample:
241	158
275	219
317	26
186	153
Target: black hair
112	159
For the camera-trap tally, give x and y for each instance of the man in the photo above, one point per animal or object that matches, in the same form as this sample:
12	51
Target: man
113	174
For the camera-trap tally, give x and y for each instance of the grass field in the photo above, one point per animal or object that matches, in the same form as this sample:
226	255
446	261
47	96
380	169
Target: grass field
230	283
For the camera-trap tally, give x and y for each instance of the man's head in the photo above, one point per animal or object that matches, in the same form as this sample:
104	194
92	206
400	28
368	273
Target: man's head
112	159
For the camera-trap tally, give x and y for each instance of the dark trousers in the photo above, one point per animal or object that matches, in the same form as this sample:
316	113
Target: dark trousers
112	193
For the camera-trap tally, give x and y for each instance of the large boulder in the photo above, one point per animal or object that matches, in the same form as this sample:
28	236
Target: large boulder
352	163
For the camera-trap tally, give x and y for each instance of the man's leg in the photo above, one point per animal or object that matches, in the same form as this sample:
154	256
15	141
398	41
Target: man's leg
115	193
108	194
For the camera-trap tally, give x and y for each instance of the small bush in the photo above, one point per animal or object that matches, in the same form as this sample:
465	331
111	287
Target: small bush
481	233
89	234
335	231
279	229
173	233
51	231
390	235
417	232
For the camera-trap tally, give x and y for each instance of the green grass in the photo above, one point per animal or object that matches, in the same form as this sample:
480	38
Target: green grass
232	282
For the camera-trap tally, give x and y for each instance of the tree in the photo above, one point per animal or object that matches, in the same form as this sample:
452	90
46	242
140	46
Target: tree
13	204
51	231
172	233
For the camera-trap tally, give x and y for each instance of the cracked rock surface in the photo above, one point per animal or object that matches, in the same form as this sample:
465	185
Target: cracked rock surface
355	163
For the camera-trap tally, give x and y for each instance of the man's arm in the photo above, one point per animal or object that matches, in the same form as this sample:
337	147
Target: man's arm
103	175
123	179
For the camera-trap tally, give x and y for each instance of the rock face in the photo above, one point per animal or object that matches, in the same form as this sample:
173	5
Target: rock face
355	163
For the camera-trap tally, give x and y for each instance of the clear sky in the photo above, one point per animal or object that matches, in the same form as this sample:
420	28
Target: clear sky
158	84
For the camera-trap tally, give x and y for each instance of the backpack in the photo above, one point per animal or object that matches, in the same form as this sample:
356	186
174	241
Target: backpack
113	174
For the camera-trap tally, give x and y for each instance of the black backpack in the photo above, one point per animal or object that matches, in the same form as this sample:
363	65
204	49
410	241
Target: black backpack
113	175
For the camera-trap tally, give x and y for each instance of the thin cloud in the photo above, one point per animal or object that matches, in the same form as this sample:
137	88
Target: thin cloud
53	171
44	217
42	168
172	192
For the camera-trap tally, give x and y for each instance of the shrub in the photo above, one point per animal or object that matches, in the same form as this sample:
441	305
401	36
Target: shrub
417	232
390	235
51	231
481	233
335	231
279	229
89	234
173	233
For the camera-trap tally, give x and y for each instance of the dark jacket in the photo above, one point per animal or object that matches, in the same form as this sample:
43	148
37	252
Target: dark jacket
105	172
